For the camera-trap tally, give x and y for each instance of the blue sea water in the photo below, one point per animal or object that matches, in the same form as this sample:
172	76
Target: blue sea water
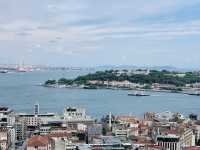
20	91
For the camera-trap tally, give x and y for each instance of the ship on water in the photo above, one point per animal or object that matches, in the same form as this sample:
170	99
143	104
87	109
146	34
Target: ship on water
3	71
23	68
196	93
137	93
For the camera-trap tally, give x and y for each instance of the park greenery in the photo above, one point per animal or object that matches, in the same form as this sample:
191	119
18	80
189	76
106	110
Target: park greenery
154	76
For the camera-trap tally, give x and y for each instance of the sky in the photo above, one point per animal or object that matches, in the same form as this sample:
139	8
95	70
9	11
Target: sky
100	32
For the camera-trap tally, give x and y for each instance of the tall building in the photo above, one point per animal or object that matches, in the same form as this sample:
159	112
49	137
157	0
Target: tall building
11	137
7	117
187	138
3	138
36	109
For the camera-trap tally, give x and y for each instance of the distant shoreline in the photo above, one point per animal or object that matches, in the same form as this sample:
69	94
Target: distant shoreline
140	80
117	88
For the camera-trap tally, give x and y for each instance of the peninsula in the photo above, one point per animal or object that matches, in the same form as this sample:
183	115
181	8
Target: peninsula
133	79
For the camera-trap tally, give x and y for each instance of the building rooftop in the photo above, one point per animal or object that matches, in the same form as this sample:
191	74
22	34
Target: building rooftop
127	119
38	141
60	134
39	115
3	108
164	116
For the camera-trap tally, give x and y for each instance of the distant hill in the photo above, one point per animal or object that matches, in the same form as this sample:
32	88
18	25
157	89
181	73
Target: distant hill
159	68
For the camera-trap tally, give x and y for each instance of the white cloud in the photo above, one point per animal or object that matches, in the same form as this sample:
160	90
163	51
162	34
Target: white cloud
76	27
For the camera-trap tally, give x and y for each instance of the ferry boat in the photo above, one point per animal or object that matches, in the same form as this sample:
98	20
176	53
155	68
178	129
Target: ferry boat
197	93
138	94
24	69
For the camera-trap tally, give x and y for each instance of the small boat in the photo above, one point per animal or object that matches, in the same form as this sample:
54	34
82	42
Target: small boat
3	71
89	87
194	94
138	94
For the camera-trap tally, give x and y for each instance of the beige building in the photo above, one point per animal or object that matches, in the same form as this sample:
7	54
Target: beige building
187	139
40	143
3	138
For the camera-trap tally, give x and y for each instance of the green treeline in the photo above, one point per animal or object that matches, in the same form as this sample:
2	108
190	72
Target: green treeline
161	77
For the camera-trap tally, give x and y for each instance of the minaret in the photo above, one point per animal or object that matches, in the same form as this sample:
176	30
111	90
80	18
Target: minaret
36	108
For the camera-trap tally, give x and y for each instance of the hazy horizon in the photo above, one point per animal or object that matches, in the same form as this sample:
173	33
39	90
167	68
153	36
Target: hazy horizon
98	33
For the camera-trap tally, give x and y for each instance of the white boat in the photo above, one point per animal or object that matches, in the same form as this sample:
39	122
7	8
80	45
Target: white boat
3	71
138	94
196	93
24	69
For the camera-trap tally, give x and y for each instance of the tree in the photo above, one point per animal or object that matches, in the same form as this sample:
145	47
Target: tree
65	81
50	82
198	142
104	131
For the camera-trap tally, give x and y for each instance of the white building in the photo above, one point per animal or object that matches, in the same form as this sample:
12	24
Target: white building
11	137
7	117
176	139
45	130
75	114
170	142
187	138
3	138
124	133
164	116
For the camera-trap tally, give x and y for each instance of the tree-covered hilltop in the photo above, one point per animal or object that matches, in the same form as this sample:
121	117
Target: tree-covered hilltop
153	76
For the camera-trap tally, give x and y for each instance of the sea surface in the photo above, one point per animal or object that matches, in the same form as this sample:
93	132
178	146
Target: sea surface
20	91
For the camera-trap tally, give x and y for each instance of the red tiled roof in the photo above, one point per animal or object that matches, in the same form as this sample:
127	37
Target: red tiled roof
38	141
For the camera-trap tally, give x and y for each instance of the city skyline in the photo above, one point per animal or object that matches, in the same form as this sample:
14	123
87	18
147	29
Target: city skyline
95	33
